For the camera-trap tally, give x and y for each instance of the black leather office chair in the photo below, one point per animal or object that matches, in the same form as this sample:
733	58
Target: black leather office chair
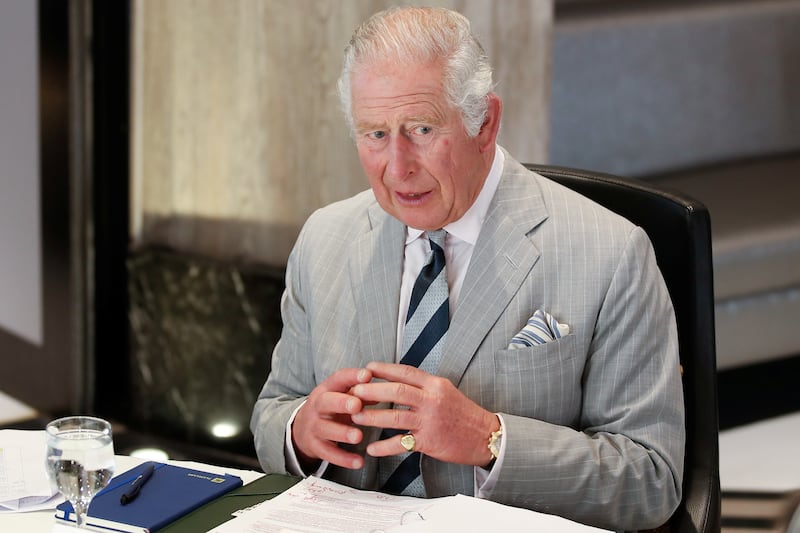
679	228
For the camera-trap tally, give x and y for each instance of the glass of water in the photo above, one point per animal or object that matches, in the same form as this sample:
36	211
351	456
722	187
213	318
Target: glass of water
80	460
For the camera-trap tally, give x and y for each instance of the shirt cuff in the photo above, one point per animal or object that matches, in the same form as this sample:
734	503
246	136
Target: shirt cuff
485	480
292	463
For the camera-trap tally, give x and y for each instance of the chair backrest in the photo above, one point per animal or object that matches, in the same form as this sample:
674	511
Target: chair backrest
680	230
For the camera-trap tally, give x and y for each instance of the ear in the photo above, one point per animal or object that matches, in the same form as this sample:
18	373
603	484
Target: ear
487	136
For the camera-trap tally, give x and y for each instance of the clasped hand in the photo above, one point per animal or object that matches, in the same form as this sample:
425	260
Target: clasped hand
446	424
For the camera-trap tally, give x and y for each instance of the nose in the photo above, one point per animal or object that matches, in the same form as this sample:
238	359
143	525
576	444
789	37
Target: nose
401	158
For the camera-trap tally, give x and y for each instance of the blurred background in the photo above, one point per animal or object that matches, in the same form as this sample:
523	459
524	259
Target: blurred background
157	160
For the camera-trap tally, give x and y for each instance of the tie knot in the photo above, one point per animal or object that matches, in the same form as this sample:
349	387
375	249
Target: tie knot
437	237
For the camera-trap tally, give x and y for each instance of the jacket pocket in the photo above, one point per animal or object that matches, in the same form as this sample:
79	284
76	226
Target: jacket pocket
537	357
542	381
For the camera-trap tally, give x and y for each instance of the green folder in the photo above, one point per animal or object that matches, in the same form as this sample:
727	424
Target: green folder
221	510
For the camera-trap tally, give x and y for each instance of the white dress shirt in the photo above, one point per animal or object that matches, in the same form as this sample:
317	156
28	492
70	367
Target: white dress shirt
462	235
459	244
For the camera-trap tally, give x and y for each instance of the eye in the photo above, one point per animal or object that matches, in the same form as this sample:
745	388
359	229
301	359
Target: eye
423	130
377	135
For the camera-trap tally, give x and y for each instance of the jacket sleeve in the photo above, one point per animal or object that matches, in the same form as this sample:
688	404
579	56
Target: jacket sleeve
291	375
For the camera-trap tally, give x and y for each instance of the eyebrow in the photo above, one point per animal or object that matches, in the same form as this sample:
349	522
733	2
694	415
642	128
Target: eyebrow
362	127
365	126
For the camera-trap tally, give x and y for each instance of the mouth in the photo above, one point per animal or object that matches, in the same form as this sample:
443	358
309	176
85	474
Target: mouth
411	197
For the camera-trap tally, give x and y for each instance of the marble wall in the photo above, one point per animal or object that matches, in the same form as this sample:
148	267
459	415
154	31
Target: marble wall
201	335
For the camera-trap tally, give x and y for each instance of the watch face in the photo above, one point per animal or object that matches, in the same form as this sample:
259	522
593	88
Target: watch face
494	442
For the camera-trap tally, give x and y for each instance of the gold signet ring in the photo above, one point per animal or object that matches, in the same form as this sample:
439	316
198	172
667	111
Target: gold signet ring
409	442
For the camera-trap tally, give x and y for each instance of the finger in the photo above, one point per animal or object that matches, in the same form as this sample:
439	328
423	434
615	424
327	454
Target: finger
399	393
316	437
399	373
404	419
334	403
330	430
335	455
342	380
390	446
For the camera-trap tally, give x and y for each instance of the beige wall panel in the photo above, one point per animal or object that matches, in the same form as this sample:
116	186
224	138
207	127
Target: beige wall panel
516	35
237	133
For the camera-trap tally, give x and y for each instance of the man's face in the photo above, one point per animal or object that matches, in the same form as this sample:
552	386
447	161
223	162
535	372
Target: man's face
422	166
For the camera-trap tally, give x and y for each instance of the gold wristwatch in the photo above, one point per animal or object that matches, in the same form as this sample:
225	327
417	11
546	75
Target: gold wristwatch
495	440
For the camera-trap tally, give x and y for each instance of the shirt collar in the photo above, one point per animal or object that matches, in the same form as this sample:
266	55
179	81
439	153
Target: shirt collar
468	226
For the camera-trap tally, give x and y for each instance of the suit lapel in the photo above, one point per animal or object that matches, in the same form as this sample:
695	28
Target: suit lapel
503	258
376	269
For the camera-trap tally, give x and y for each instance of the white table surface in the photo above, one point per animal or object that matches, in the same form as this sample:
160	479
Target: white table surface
761	457
45	522
758	457
12	410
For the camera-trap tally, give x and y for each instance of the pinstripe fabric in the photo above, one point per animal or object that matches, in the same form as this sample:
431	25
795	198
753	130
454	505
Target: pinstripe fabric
594	420
425	332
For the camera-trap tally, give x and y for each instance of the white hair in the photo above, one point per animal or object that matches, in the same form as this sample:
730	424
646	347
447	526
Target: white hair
416	35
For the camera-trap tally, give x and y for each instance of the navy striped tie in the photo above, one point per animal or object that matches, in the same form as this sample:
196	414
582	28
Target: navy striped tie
423	338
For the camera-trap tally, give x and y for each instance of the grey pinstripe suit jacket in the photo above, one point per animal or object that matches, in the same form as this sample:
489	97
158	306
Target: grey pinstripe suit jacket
594	420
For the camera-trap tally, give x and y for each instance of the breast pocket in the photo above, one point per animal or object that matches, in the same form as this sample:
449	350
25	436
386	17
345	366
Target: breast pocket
541	381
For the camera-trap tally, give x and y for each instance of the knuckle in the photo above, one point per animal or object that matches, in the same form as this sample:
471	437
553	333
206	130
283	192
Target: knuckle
440	388
397	417
408	370
439	383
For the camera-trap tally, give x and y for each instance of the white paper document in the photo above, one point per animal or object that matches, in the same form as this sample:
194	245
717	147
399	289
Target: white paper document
320	506
23	480
459	514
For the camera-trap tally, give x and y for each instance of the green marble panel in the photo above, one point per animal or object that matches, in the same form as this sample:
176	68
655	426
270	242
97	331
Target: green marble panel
202	334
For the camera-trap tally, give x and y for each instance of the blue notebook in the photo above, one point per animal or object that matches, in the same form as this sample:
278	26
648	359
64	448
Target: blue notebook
170	493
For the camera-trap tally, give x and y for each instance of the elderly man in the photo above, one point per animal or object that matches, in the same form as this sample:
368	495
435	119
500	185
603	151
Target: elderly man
467	326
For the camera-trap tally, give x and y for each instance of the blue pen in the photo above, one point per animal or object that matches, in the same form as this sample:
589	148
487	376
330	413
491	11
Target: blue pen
136	485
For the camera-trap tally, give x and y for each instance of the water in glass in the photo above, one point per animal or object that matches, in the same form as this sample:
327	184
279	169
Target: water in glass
80	459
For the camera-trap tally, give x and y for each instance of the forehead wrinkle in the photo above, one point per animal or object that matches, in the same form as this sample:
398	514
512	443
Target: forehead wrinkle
419	110
395	100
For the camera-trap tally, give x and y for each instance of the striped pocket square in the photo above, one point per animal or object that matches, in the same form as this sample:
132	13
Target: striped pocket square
541	328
